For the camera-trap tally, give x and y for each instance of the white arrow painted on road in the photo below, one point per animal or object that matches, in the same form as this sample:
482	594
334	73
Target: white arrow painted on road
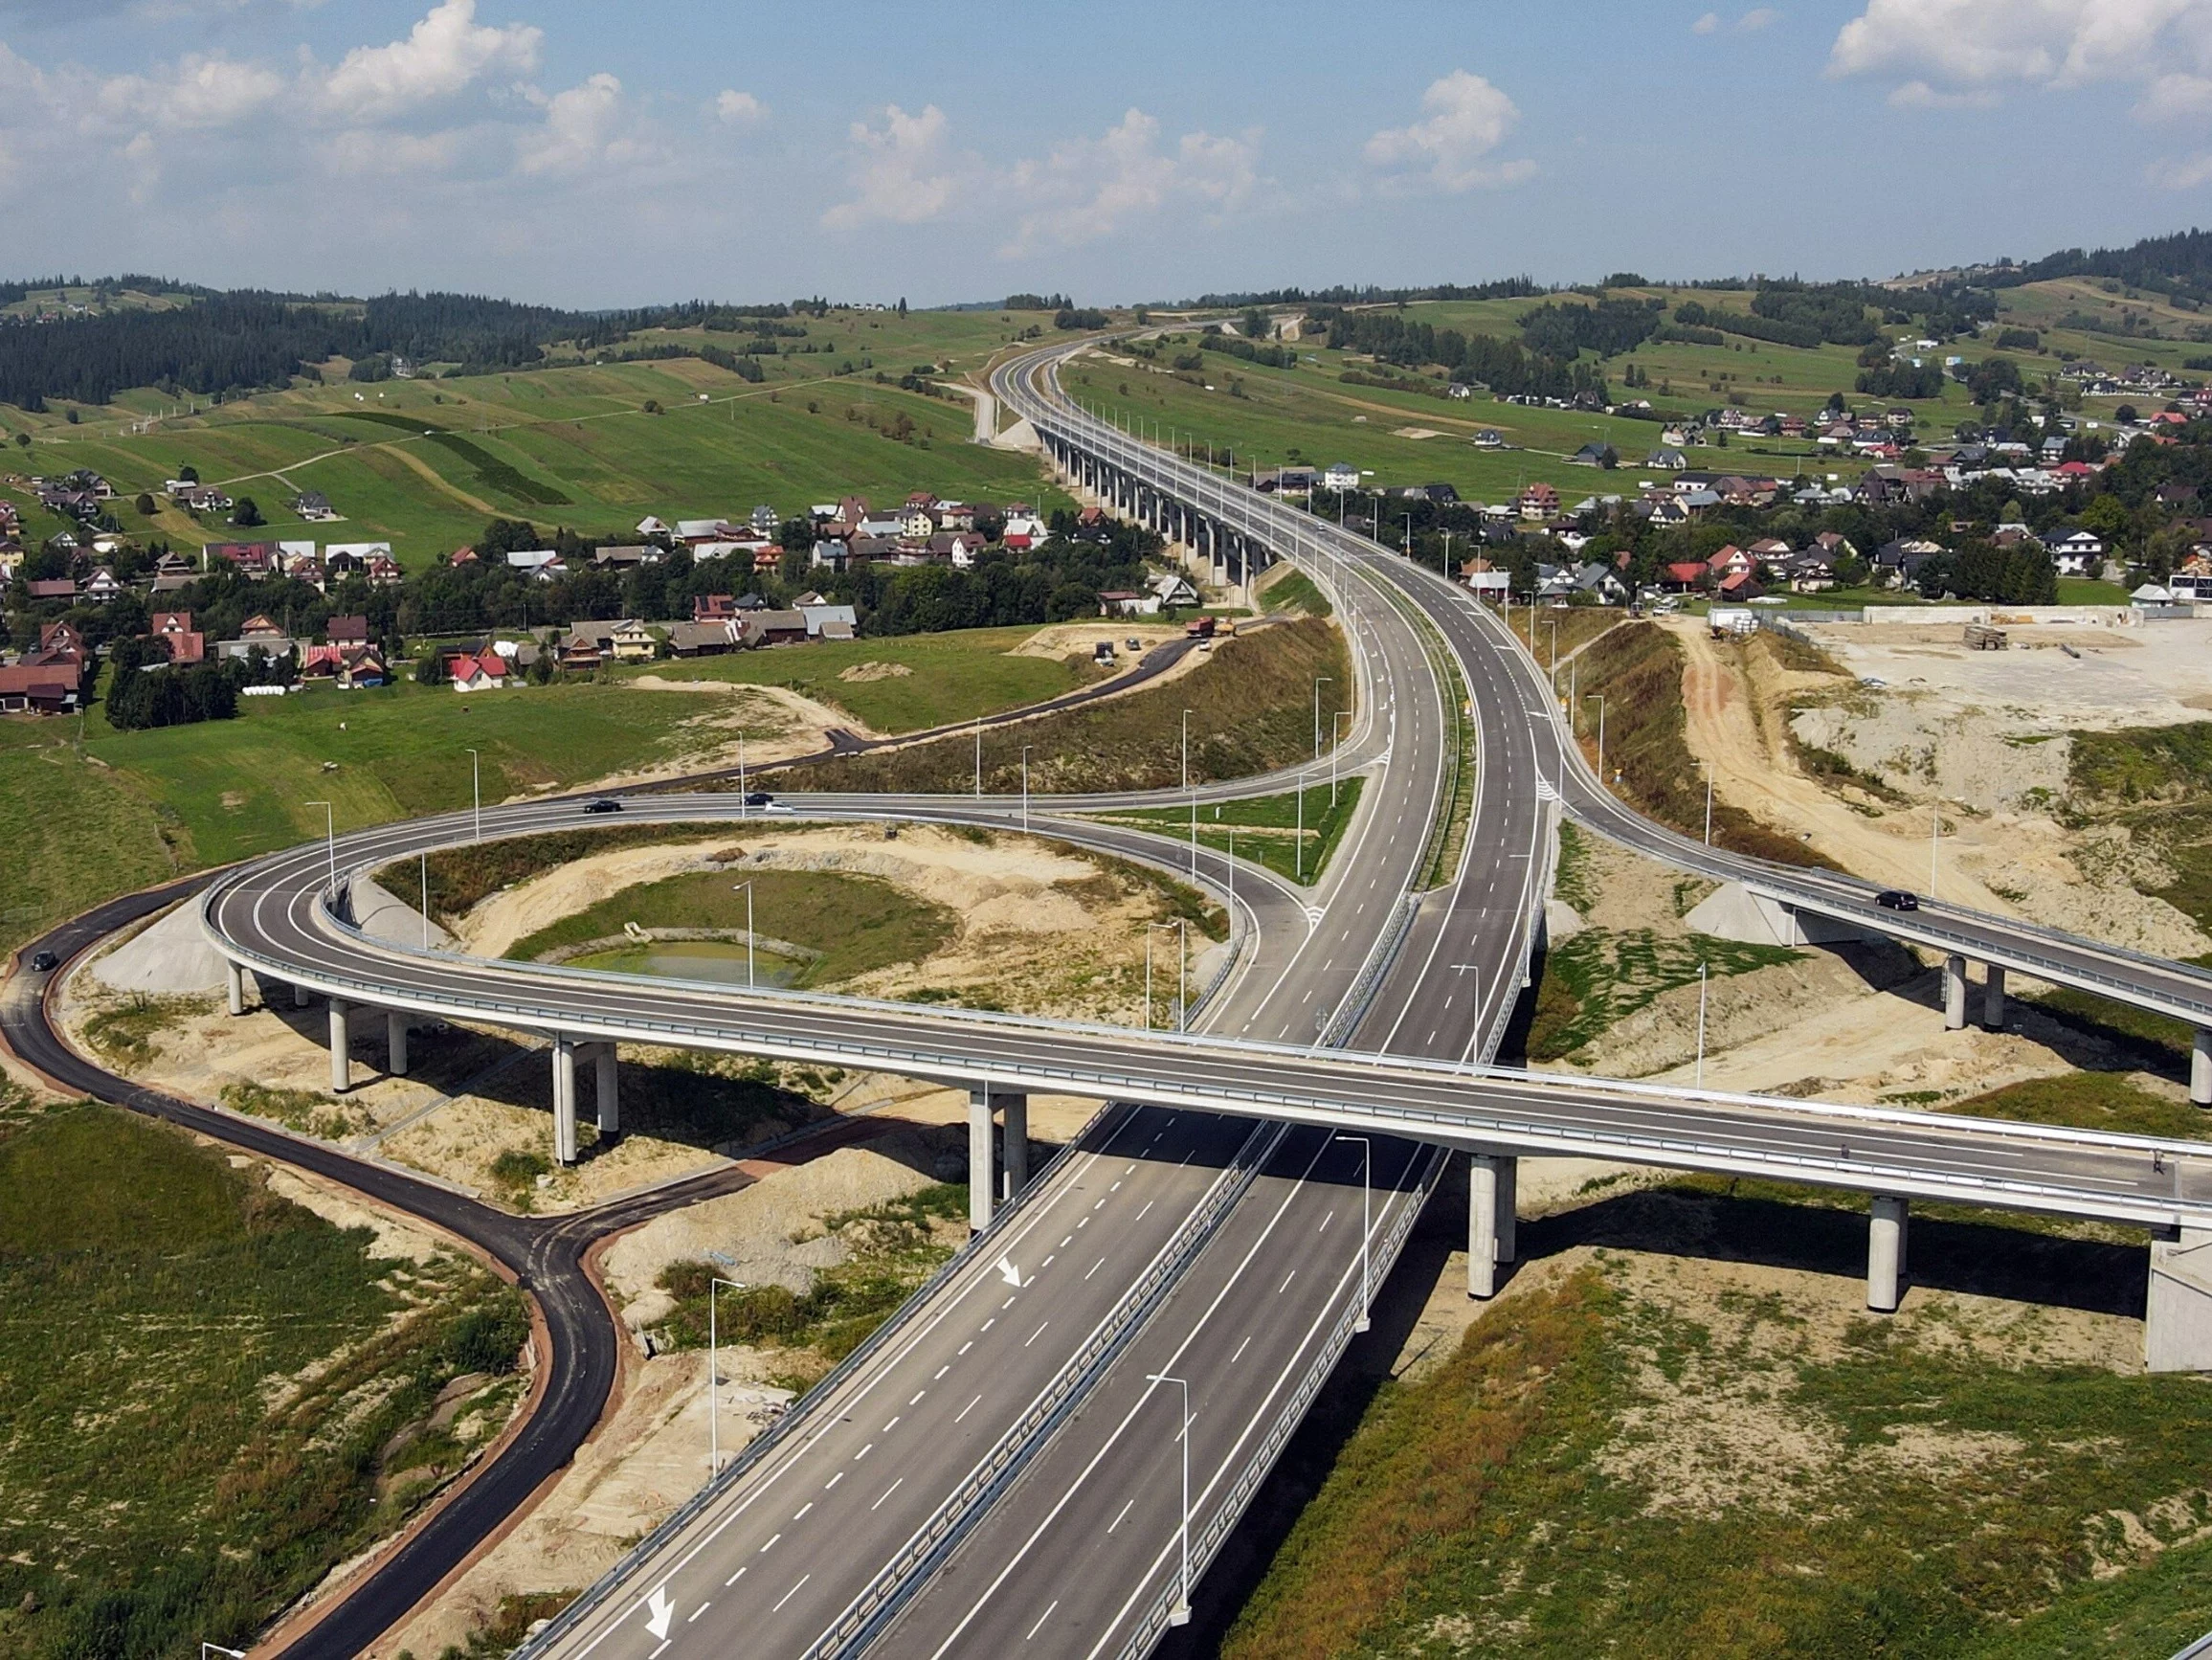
1012	1274
663	1611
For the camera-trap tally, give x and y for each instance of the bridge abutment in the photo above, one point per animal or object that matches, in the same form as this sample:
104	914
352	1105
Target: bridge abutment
1954	993
2178	1314
1887	1234
1494	1202
341	1047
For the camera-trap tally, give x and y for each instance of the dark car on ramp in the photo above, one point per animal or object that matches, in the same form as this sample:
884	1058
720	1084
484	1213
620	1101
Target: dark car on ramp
1897	899
604	804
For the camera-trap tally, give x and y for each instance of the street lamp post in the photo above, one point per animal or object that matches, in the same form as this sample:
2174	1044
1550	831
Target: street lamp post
1181	1613
476	788
714	1373
1366	1224
1701	1025
1318	681
743	787
1298	846
1182	958
424	858
1338	715
206	1649
330	836
1600	697
1025	749
979	757
748	888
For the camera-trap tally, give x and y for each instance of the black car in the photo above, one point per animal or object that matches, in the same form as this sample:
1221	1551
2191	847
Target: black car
759	798
1897	899
44	962
604	804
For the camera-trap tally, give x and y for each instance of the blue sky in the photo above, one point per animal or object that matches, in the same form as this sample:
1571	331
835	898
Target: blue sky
603	156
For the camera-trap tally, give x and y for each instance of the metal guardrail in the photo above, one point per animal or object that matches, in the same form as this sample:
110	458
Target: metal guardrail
1207	1541
865	1617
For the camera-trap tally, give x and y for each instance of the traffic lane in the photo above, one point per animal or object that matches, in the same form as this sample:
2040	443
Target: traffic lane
792	1543
1080	1540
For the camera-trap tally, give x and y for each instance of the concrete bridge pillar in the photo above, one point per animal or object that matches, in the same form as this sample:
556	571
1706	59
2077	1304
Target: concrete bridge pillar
235	981
1885	1240
2200	1067
1954	993
1493	1180
980	1188
564	1101
606	1093
1993	999
396	1043
1017	1111
341	1047
299	995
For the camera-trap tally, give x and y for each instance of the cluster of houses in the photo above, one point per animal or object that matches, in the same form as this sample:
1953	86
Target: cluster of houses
46	680
719	623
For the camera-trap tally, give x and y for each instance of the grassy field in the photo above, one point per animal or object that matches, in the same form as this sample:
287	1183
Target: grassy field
1251	704
574	447
858	923
207	1388
1628	1463
947	676
1290	837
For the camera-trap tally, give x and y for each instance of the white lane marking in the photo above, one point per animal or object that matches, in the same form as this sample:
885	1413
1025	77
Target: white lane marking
941	1371
888	1491
967	1409
770	1546
1124	1517
987	1325
696	1612
1241	1348
833	1481
1140	1216
1286	1285
893	1424
1116	1188
1033	1336
1040	1620
790	1593
1324	1222
803	1508
1095	1267
662	1649
1046	1264
1064	1244
965	1347
918	1394
1006	1305
739	1574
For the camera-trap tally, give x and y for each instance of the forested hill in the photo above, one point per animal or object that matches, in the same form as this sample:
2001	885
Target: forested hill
2177	264
242	341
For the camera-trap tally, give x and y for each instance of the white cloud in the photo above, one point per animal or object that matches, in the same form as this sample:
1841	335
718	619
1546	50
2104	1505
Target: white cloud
1756	19
197	92
1467	117
1952	47
739	108
445	53
588	129
2184	174
1919	95
367	153
1705	24
1089	187
904	173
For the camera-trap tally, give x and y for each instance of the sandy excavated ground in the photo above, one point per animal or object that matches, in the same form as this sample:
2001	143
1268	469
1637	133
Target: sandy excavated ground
1037	929
1853	1025
652	1453
777	723
2000	852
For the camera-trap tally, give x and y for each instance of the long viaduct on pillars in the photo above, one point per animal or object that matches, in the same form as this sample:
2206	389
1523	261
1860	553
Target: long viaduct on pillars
1231	555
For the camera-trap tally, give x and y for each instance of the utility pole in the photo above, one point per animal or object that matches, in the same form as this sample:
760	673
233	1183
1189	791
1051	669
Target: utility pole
1701	981
1600	697
477	785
